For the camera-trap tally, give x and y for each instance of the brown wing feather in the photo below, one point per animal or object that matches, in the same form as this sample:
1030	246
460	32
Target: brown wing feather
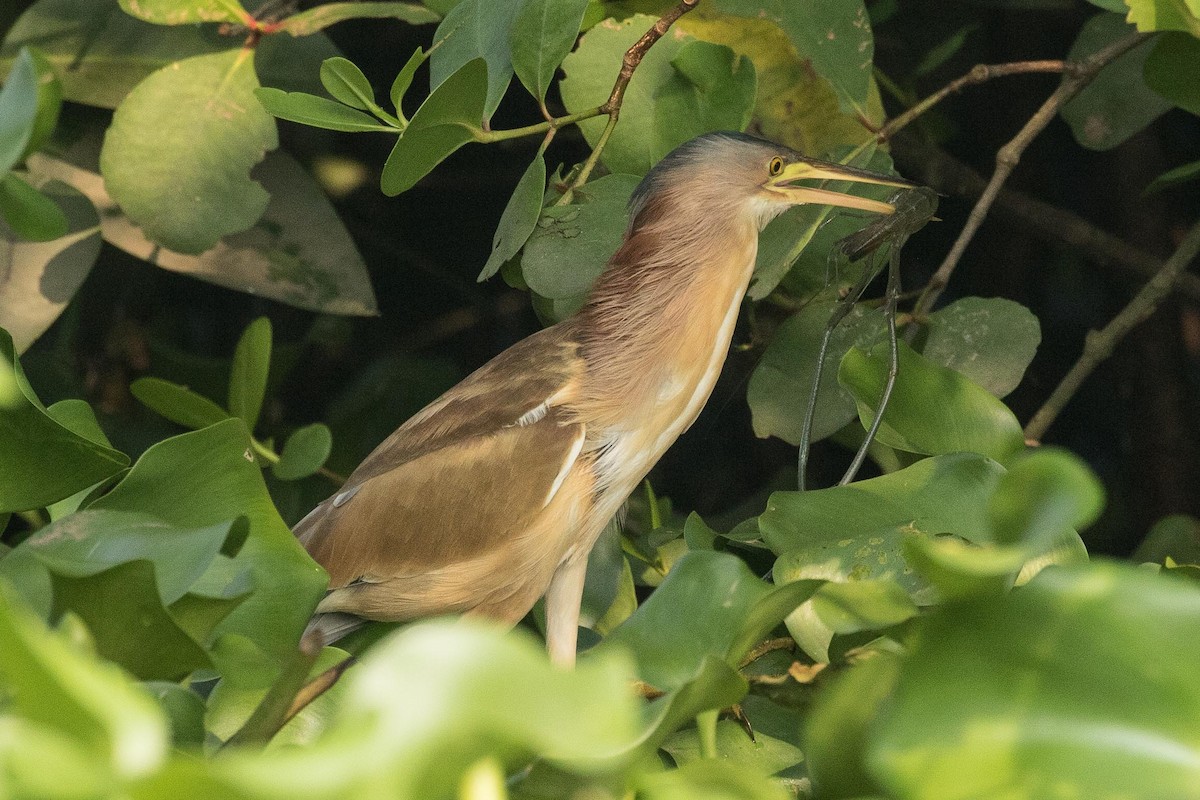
458	479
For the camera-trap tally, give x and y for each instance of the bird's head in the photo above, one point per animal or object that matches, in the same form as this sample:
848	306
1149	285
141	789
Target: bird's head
728	175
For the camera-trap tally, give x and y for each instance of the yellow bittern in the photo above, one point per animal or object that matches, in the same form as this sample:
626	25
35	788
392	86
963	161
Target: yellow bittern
493	495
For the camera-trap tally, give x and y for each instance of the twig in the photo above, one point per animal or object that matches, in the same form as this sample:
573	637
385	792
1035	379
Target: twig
317	687
769	646
1099	345
272	712
1078	75
612	107
937	168
980	73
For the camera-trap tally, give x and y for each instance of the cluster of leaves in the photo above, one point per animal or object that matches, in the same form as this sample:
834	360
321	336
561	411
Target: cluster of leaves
909	642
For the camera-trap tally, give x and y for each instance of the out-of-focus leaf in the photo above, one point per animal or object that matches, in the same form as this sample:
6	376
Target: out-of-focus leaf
1173	70
764	754
204	477
28	213
446	121
298	252
49	100
520	216
571	244
183	12
943	51
319	112
1176	537
180	148
304	452
712	90
967	417
1173	177
42	461
1164	15
781	383
248	375
1044	492
185	713
85	700
178	403
542	34
710	780
43	277
18	110
314	19
963	722
1119	6
1118	103
990	340
476	29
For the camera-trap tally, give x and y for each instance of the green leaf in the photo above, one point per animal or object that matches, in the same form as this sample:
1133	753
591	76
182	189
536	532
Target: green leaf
712	90
346	82
1173	70
30	214
315	19
1044	492
1117	103
207	476
404	78
319	112
943	51
989	340
448	119
1165	15
1176	537
967	417
963	722
1174	177
711	780
570	245
87	702
542	34
520	217
475	29
43	277
178	403
178	153
42	461
18	110
304	452
184	12
185	712
764	755
1118	6
248	374
782	382
49	102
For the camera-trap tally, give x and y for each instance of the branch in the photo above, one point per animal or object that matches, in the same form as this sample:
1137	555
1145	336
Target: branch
1099	345
1078	75
272	713
937	168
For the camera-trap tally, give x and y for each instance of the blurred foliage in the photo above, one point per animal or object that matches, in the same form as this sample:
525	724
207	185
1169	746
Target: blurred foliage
936	630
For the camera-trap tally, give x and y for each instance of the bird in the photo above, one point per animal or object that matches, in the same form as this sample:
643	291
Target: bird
493	495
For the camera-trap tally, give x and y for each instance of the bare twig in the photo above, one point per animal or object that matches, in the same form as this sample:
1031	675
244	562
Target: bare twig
272	712
1078	75
317	687
1099	344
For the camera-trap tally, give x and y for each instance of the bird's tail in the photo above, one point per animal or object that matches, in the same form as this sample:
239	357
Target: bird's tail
334	625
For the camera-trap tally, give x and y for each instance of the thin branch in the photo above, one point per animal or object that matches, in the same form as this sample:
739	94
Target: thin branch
980	73
1078	75
1099	345
937	168
272	712
317	687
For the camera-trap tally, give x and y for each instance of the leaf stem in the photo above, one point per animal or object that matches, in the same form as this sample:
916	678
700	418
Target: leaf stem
538	127
272	713
1099	345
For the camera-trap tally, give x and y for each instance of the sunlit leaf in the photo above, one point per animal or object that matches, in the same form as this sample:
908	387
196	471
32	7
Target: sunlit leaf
312	20
178	403
28	213
1164	15
542	34
183	12
710	780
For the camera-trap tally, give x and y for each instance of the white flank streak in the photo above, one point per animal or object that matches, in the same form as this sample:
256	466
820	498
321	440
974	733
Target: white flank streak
533	415
566	467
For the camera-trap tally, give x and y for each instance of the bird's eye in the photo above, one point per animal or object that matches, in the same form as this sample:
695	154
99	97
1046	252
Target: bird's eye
776	166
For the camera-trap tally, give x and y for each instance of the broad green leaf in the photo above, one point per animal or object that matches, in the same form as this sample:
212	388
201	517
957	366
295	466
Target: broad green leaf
49	101
248	375
476	29
1173	177
184	12
18	110
448	119
933	409
1044	492
835	37
1173	70
542	34
570	245
28	213
1094	695
178	403
404	79
1118	103
782	382
298	253
1176	537
314	19
185	713
1165	15
42	461
520	216
85	700
204	477
178	153
712	90
990	340
319	112
346	82
305	452
710	780
764	755
43	277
